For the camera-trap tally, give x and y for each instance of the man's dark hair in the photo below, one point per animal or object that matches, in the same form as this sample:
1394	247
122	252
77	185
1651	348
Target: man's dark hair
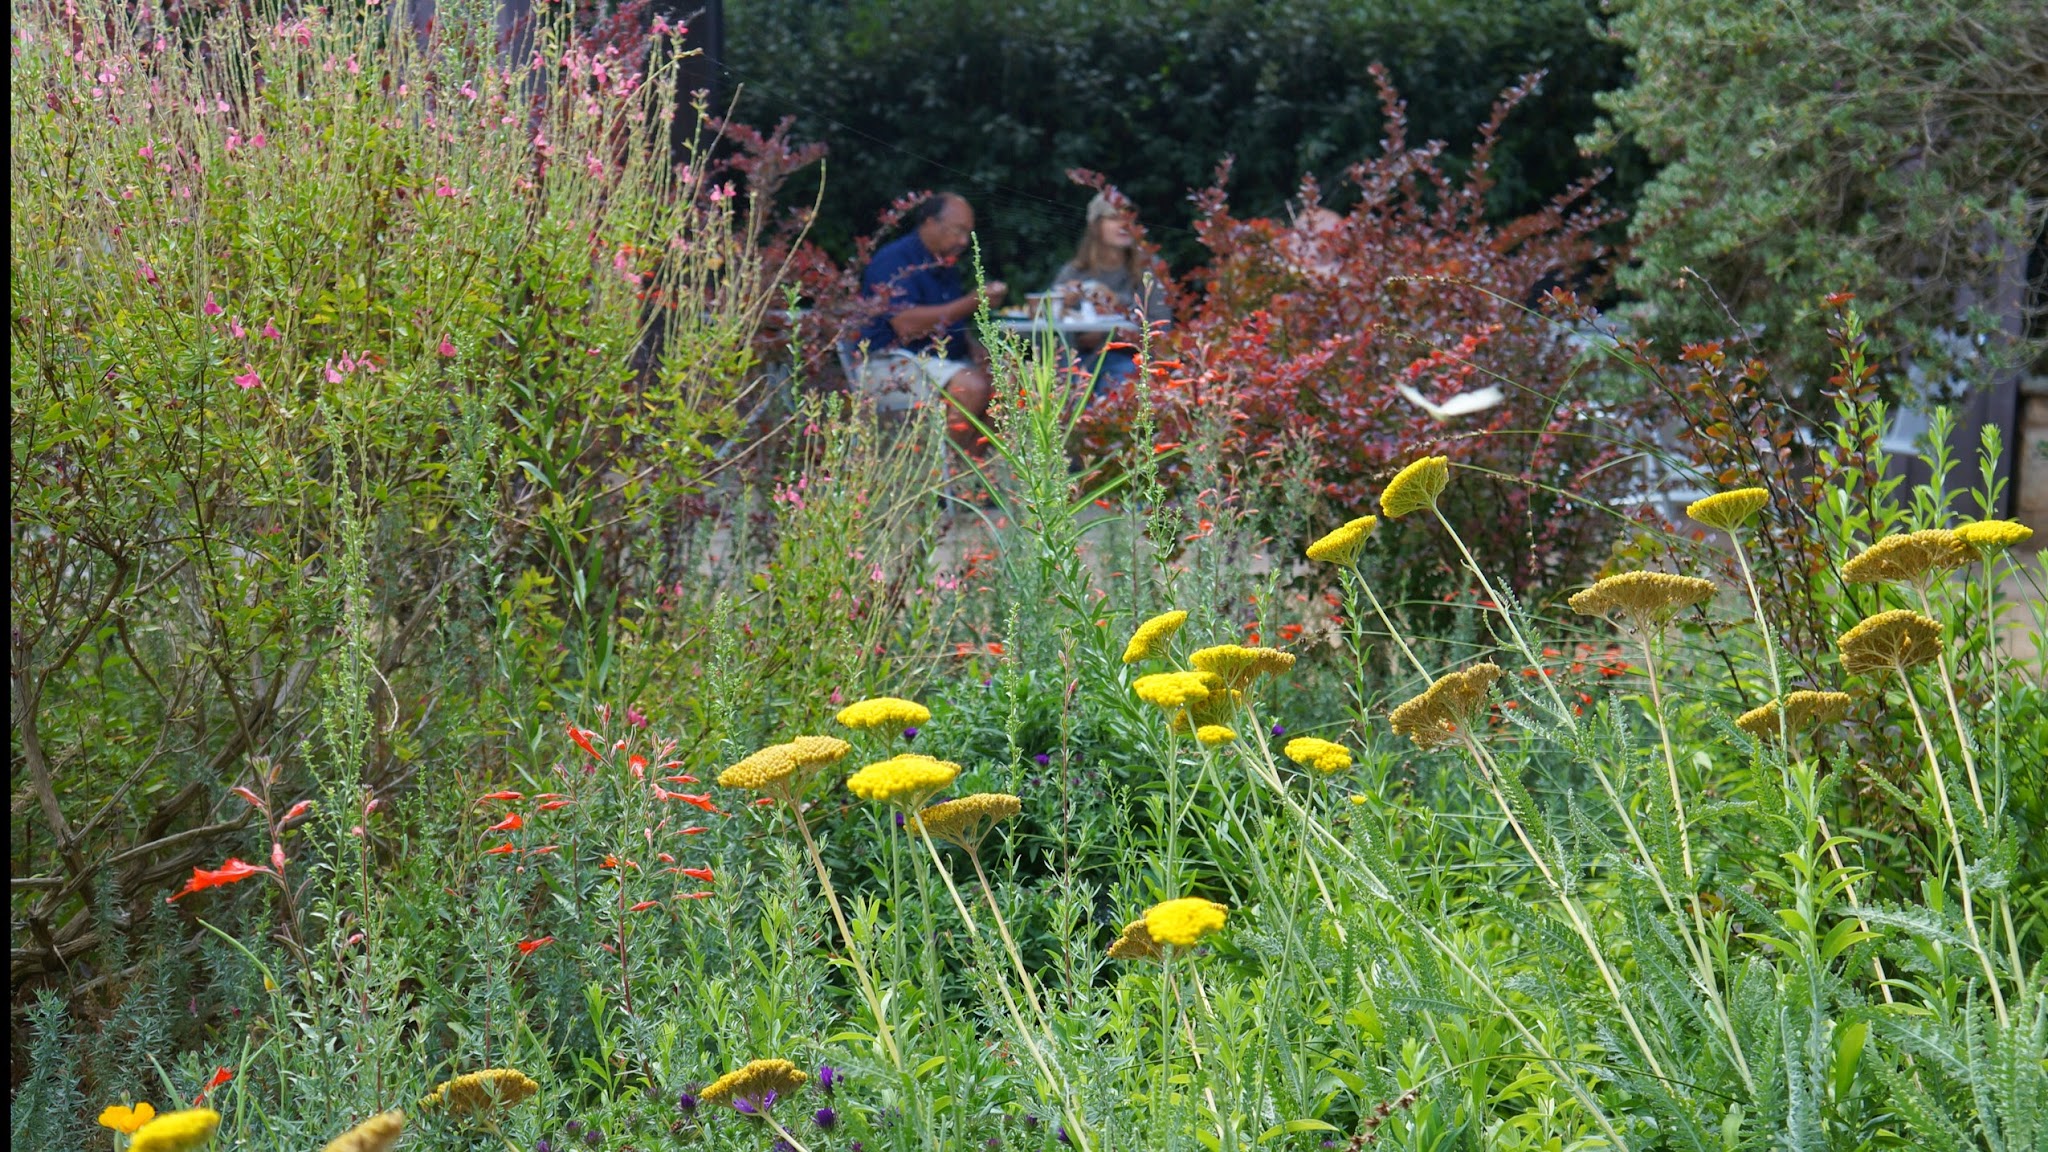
928	209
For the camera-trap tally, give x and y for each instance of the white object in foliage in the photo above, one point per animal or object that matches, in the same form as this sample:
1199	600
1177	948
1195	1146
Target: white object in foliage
1463	404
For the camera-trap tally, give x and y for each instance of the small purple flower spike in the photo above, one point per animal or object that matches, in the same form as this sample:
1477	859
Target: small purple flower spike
910	733
827	1077
899	819
1043	759
826	1118
744	1107
687	1102
542	1145
1279	729
1059	1132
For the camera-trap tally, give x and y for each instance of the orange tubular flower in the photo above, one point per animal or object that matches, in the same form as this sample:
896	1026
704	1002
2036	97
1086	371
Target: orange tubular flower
501	849
233	871
582	739
500	796
527	947
703	874
643	906
512	823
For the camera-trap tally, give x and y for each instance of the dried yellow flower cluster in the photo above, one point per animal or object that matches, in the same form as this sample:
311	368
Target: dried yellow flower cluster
1185	921
1153	633
1728	510
481	1092
379	1133
1889	641
907	780
1989	536
754	1082
966	820
1909	557
1322	755
1134	944
884	712
1415	487
1235	664
1342	545
775	767
1449	705
1802	710
176	1131
1644	599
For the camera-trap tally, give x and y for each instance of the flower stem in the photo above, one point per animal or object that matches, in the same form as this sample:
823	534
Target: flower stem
783	1132
860	971
1500	605
1956	837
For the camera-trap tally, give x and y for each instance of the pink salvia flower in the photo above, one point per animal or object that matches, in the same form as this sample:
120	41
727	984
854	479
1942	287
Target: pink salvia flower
333	377
469	93
146	152
447	348
270	331
249	380
148	274
236	330
210	308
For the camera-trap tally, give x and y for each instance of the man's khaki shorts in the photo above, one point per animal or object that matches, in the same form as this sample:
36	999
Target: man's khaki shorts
897	380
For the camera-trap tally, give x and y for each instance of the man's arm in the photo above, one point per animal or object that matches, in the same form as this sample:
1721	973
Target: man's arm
928	319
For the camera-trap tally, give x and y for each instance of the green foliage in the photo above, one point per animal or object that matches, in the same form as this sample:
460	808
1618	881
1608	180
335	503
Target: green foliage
1895	150
998	100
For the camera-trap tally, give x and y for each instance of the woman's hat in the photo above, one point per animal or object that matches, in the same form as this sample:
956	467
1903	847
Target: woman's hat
1103	207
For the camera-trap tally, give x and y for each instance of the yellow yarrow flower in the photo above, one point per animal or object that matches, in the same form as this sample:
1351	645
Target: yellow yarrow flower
176	1131
907	780
1322	755
1134	944
1415	487
1889	641
1214	734
1185	921
1173	690
1728	510
379	1133
1449	706
1990	536
1151	634
1801	709
1909	557
1645	599
1236	664
1342	545
481	1092
1358	799
966	820
754	1082
884	712
126	1120
778	765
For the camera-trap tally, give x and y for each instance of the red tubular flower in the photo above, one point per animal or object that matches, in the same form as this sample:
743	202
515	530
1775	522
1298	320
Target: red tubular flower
233	871
703	802
680	779
220	1076
542	850
693	895
703	874
551	805
527	947
512	823
254	800
638	764
298	810
501	849
695	830
665	858
643	906
500	796
582	739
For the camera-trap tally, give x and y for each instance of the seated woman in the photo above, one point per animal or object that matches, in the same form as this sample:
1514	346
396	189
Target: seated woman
1112	272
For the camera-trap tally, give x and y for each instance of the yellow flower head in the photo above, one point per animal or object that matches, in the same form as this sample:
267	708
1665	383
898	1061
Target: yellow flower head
1185	921
377	1134
1358	798
1214	734
755	1083
884	712
176	1131
1322	755
1135	943
1909	556
1889	641
1644	599
1175	690
1449	706
1342	545
779	766
1992	536
1802	709
1151	634
481	1092
1415	487
906	781
1235	664
1728	510
126	1120
966	820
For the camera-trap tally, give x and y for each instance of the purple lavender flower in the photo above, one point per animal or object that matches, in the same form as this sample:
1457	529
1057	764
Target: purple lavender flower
1030	1122
1059	1132
574	1127
687	1102
593	1137
1043	759
542	1145
744	1107
992	1143
782	1146
826	1118
1279	729
910	733
899	819
827	1077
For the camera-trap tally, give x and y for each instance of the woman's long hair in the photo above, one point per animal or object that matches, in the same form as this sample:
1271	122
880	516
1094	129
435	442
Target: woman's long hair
1093	255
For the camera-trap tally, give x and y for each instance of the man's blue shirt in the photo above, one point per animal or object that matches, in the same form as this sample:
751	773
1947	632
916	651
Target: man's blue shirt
905	274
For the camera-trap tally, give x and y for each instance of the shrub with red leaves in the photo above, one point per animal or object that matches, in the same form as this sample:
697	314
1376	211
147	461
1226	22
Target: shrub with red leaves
1303	330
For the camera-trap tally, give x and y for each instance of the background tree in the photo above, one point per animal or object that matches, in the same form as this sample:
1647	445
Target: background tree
1894	148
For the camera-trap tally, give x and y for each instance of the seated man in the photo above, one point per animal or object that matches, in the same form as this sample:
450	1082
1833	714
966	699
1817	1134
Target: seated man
918	344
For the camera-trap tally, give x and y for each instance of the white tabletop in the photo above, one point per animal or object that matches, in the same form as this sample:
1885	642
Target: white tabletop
1037	324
